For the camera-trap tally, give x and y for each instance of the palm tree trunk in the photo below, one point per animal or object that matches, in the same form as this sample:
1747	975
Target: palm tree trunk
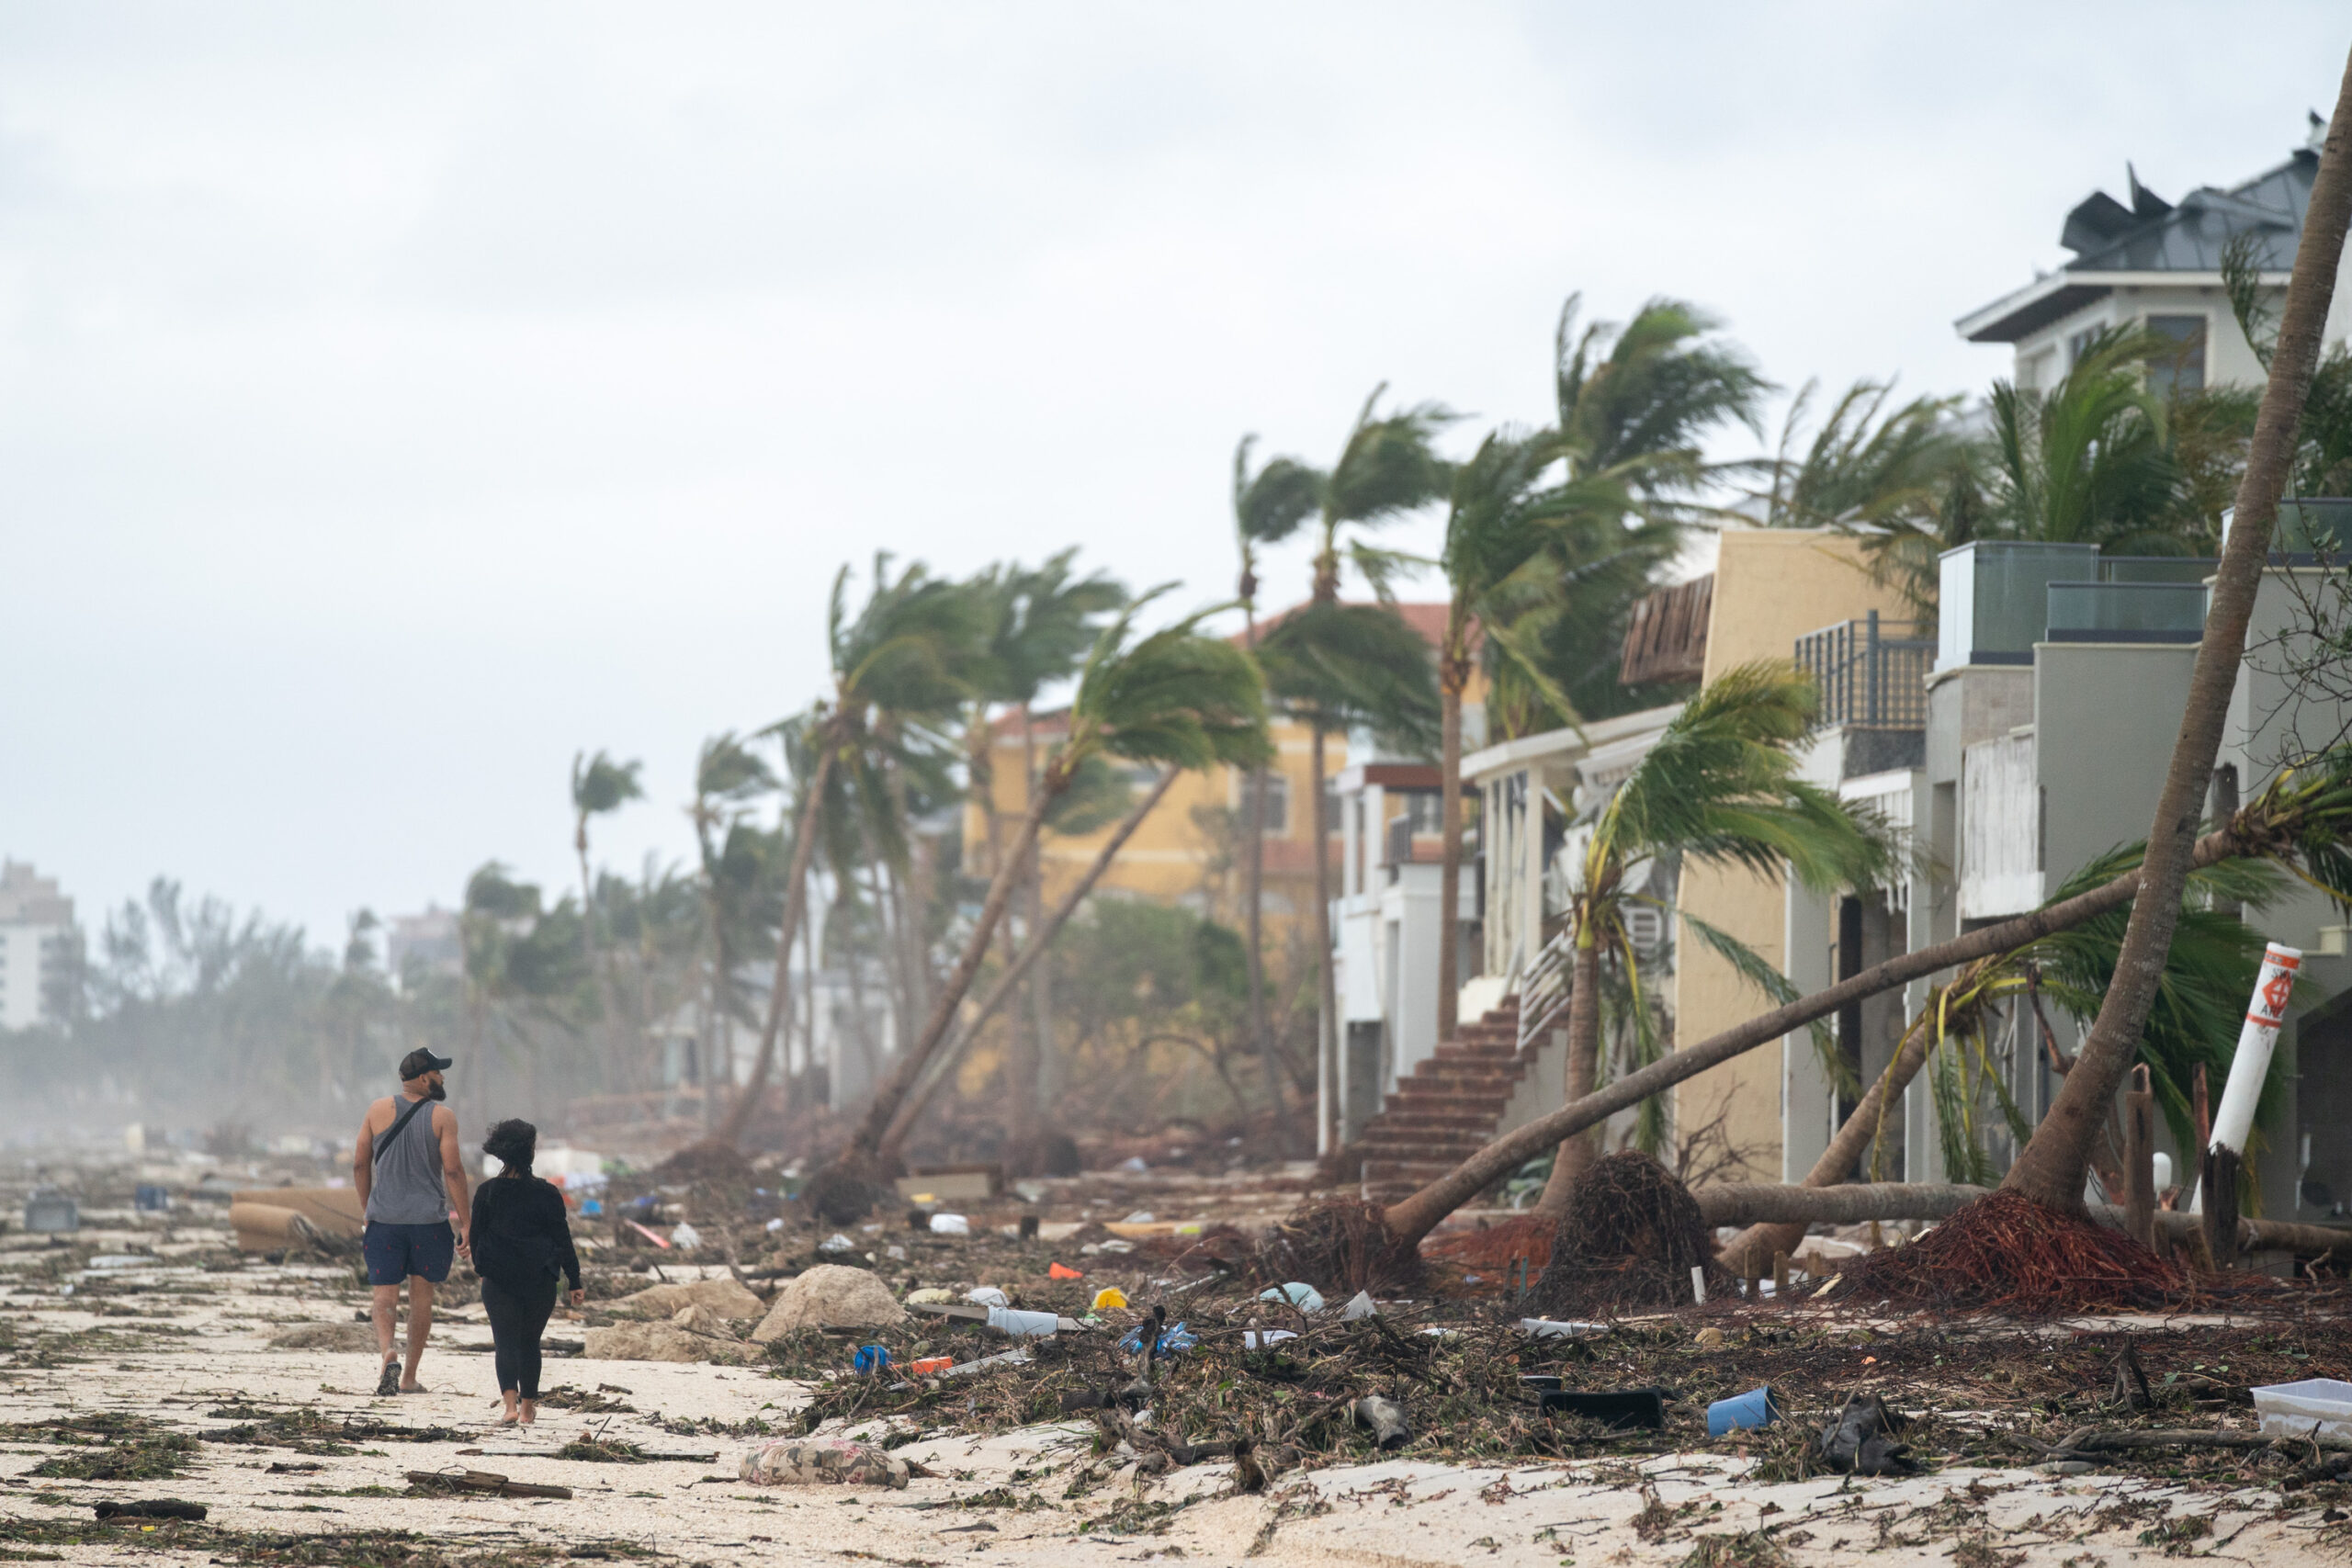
865	1148
1449	872
1327	1020
607	992
1253	865
1023	1059
2052	1168
1760	1241
1411	1218
1578	1149
796	893
895	1136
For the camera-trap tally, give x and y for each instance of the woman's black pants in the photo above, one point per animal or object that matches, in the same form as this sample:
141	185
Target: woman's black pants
518	1316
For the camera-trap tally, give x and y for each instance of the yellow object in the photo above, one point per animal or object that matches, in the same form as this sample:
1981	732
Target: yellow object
1108	1297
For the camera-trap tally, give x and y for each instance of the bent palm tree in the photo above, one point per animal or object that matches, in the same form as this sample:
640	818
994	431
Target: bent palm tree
2302	822
1174	697
899	677
2209	973
1720	787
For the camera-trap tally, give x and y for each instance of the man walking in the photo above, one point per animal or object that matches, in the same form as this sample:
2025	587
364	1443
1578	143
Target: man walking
410	1181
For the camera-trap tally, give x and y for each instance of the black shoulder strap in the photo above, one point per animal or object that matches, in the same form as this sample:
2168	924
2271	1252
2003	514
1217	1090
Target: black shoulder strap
398	1123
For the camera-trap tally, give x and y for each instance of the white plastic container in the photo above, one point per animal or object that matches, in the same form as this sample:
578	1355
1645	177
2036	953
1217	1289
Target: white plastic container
1559	1328
2320	1406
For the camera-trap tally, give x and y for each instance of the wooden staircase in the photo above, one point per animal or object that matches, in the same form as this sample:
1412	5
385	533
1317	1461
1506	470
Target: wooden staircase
1446	1109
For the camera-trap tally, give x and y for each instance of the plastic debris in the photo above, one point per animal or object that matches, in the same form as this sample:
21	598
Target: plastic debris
1265	1338
1110	1298
836	1243
929	1366
895	1253
1016	1324
1305	1297
594	1209
986	1296
1860	1438
1140	1217
1621	1409
685	1236
1385	1419
870	1359
930	1295
1133	1164
1754	1409
1064	1271
1559	1328
1358	1306
816	1461
656	1238
1172	1340
950	1224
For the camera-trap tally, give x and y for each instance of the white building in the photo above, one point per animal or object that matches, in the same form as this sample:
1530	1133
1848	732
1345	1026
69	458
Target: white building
2158	263
38	942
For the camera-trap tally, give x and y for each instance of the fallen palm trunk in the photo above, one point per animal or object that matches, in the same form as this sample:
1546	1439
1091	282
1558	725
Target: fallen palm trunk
1747	1203
1414	1217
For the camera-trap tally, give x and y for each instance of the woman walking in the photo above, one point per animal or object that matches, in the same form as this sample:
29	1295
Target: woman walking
521	1242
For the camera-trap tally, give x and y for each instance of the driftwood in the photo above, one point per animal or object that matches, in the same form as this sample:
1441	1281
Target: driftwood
483	1480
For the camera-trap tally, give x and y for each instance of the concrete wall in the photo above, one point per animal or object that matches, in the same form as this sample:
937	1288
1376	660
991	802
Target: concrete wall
2106	718
1772	587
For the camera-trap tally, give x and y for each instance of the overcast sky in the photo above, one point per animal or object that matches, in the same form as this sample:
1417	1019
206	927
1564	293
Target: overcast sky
394	400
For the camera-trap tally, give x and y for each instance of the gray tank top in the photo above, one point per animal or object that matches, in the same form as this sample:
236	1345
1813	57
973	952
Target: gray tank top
407	1188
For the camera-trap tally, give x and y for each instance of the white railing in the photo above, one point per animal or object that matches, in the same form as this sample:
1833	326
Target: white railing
1543	991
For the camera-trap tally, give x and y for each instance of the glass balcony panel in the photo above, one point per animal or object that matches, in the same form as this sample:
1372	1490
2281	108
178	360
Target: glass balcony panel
2126	611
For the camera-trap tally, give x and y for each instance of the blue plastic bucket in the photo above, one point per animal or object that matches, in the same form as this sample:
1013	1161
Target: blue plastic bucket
871	1359
1754	1409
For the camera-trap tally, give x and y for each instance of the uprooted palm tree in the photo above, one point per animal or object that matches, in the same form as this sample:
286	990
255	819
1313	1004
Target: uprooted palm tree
1720	787
2051	1169
899	675
2193	1024
1172	697
2302	821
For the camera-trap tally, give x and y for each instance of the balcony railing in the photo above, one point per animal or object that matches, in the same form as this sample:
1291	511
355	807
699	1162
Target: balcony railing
1871	673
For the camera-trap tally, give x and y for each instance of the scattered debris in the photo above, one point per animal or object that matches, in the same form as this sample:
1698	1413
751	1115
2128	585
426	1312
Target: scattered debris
823	1462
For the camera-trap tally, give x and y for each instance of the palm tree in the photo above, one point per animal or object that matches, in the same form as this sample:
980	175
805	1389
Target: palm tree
1268	507
1174	697
2088	462
2050	1172
1041	623
1635	403
1032	949
729	778
1340	666
901	675
1523	553
599	787
2302	822
1387	467
1720	787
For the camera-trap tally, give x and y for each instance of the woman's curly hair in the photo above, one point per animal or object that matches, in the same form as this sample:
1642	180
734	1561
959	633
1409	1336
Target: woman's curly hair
512	1144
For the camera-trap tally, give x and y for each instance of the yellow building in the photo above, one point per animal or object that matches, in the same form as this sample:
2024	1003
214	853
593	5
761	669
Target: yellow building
1772	587
1187	851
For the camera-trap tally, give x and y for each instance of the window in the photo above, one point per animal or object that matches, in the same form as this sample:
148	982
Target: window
1277	820
2037	371
2079	344
2181	370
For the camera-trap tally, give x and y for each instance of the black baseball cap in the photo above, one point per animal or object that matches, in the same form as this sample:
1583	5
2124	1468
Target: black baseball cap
419	1062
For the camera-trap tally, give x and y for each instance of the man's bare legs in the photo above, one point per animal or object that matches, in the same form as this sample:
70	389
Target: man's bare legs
386	1302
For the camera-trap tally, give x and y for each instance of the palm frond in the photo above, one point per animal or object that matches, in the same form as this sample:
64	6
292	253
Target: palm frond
1341	665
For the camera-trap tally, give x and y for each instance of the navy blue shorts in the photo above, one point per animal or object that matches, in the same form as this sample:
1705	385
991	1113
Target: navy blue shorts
395	1252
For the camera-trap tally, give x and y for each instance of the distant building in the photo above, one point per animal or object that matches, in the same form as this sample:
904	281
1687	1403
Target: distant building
38	942
2158	263
429	941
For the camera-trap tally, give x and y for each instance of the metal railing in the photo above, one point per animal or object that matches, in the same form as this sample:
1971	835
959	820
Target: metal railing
1544	989
1869	674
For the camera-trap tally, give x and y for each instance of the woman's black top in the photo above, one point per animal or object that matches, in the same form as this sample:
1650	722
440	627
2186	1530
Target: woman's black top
519	1233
